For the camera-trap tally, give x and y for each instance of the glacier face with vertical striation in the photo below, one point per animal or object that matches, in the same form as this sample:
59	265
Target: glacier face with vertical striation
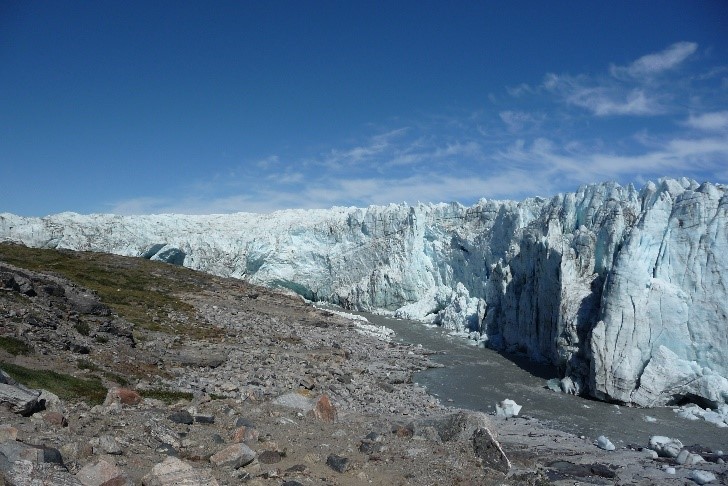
624	290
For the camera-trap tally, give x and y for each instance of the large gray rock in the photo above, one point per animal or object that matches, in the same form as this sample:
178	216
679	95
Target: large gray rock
18	398
176	472
26	465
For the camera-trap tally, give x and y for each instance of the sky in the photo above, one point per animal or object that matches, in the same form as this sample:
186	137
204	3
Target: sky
142	107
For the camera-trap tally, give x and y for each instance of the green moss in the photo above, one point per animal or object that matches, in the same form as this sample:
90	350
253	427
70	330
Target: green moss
66	387
116	378
165	395
141	291
84	364
15	346
82	328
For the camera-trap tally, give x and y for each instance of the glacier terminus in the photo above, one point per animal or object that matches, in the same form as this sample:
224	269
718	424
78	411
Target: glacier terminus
623	289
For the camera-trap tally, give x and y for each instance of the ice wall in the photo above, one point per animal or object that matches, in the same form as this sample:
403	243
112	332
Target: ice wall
623	290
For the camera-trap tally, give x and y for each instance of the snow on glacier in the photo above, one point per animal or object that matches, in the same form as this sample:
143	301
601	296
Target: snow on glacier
624	290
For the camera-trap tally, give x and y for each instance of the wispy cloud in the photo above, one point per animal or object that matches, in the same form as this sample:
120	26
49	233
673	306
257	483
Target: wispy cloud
604	98
639	121
656	63
632	90
517	121
715	121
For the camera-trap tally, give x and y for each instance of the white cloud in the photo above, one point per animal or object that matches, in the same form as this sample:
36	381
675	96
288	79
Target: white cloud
603	99
656	63
520	90
516	121
632	90
679	156
268	162
715	121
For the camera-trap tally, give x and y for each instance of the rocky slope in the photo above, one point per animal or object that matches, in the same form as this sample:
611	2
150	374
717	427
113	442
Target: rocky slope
156	375
623	289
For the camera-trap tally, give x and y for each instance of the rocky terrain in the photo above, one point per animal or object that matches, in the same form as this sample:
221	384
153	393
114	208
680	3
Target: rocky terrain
622	289
120	371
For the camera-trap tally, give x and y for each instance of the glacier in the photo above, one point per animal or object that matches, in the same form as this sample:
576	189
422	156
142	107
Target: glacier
623	289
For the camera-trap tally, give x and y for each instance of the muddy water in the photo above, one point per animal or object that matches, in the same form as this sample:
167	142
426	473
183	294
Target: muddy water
475	378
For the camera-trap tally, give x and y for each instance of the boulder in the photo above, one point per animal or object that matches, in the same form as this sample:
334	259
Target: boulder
324	410
102	473
235	455
18	398
176	472
124	396
487	448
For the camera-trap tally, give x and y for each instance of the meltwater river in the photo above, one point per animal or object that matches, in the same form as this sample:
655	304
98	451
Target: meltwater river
475	378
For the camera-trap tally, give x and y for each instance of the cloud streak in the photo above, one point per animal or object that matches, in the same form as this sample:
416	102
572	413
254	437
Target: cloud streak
656	63
642	120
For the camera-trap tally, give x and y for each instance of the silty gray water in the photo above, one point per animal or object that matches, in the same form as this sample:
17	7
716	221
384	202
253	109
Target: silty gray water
476	379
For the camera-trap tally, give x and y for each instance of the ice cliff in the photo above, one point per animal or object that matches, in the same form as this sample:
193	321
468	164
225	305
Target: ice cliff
624	290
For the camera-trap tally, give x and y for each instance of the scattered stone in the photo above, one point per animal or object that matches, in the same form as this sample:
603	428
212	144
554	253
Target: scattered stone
205	419
55	418
164	434
175	472
295	400
487	448
18	451
269	457
307	383
8	433
604	443
199	358
109	445
564	469
670	470
102	473
399	377
18	398
507	408
324	410
27	473
702	477
124	396
235	455
246	434
337	463
404	431
181	417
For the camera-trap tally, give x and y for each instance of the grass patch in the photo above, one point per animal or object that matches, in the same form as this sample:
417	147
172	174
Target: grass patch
83	328
15	346
116	378
84	364
141	291
167	396
66	387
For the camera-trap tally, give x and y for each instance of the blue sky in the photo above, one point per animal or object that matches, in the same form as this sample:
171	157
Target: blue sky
215	107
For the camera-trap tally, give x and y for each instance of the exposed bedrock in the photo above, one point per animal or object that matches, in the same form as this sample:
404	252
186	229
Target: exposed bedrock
623	290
